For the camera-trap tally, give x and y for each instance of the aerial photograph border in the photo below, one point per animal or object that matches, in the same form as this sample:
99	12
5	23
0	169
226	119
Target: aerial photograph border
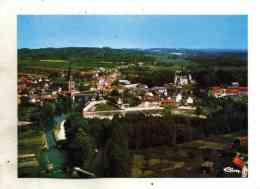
51	9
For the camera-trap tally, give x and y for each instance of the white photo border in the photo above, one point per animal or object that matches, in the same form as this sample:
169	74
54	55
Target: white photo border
9	9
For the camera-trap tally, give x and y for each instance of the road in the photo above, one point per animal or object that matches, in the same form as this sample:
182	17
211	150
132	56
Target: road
111	113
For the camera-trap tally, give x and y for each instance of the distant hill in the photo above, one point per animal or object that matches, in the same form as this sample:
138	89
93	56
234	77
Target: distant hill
90	57
84	54
194	52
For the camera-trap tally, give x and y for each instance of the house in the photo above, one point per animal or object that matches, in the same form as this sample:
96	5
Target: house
236	91
32	100
104	83
235	84
151	97
178	98
160	90
130	86
168	102
124	82
219	92
119	101
145	104
127	84
143	86
149	94
189	100
243	90
231	92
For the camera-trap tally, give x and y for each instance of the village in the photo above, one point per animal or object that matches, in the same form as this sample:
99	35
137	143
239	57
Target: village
106	91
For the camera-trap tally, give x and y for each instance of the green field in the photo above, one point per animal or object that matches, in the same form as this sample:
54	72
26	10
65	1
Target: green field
30	141
105	107
55	64
182	160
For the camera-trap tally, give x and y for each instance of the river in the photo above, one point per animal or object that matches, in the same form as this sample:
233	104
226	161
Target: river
52	156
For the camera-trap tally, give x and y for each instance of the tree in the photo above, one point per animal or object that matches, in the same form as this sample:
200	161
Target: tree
47	114
74	121
118	154
198	110
75	126
48	110
87	147
115	83
60	106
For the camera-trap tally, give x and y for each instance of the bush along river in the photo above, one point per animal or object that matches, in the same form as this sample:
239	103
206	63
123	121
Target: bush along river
51	158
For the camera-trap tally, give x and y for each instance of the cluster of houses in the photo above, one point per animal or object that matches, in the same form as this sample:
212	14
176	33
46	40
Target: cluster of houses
104	81
234	90
151	99
37	89
161	95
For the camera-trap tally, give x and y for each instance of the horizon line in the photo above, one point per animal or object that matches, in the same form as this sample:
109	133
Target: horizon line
100	47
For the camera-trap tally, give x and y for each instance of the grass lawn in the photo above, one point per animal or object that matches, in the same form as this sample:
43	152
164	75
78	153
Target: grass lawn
106	107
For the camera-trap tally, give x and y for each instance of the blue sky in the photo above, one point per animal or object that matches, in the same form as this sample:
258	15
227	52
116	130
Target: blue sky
177	31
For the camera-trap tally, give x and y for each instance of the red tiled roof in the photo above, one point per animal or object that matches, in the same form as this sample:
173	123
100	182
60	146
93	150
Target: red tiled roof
216	88
232	90
244	89
168	101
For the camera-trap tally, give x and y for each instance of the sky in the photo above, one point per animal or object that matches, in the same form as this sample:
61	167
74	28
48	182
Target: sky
175	31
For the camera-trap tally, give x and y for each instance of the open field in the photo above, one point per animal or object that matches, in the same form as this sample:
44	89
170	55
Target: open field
30	141
182	160
30	144
61	65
